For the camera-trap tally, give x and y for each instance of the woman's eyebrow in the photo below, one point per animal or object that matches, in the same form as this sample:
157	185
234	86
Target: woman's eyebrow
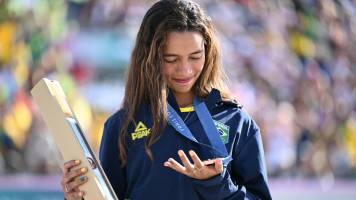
197	52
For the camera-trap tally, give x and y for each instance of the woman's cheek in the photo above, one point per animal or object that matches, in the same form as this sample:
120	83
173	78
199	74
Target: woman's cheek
166	72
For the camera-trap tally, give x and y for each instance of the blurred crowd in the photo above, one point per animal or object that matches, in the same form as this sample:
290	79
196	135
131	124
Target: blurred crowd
291	64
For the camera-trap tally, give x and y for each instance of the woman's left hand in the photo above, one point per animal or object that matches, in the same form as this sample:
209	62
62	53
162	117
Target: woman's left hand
198	169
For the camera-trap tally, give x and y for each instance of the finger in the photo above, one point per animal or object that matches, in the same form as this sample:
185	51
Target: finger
209	162
73	174
219	165
173	164
72	186
197	162
66	188
188	166
68	165
75	195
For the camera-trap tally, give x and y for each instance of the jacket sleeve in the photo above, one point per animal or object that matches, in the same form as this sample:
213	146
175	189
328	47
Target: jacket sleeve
109	156
245	177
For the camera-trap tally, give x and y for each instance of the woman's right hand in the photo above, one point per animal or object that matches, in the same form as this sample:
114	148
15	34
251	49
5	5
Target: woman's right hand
73	177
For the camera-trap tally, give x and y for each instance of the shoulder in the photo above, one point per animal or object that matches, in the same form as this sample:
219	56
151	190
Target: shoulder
248	124
113	122
245	123
225	105
115	118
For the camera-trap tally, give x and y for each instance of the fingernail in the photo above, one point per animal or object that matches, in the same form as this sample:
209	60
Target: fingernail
191	152
180	152
170	159
166	164
77	162
84	169
83	178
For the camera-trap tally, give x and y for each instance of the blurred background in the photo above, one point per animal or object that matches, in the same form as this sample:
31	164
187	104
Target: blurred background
291	63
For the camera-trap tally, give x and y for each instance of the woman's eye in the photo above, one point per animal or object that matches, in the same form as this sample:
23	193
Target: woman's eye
170	61
195	58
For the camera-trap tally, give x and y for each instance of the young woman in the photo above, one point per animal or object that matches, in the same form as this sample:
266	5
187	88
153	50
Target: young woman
178	134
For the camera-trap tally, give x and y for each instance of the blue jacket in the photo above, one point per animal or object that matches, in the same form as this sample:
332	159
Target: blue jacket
245	177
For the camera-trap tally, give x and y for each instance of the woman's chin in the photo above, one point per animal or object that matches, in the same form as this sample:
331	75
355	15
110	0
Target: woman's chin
182	90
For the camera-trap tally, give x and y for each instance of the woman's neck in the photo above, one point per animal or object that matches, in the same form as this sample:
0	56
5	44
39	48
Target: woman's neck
184	99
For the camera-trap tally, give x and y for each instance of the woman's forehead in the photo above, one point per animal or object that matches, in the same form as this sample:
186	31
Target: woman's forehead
183	42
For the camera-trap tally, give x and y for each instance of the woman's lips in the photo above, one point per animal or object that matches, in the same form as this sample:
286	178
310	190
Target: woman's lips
182	81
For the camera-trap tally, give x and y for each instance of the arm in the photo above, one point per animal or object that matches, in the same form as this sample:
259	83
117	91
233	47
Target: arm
246	176
109	156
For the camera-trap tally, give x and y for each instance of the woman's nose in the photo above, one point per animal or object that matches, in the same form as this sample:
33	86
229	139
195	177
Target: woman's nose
184	67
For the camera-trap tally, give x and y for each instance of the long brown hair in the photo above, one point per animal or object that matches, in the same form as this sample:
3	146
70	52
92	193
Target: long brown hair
145	83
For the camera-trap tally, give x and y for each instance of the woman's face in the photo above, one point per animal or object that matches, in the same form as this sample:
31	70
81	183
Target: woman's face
183	60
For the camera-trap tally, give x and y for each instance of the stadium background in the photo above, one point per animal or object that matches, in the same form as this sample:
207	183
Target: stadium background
291	63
